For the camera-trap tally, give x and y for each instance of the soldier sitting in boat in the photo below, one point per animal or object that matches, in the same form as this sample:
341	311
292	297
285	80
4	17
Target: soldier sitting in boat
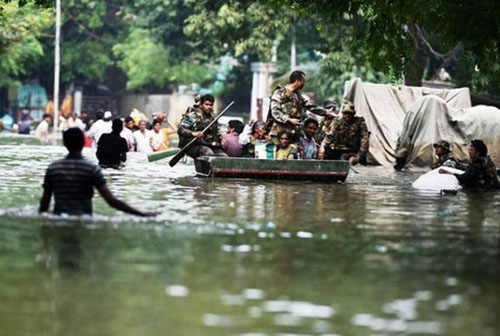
444	155
286	108
326	122
481	172
348	138
191	125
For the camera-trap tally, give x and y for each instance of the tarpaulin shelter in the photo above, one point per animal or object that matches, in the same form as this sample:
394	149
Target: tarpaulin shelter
431	119
384	108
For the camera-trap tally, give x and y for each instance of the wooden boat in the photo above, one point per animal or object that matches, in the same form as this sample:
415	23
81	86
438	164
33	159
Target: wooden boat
312	170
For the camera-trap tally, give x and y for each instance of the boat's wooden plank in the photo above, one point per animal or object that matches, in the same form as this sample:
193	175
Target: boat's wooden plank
273	169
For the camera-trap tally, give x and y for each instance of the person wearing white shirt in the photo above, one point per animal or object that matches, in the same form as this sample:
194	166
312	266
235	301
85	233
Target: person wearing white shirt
75	121
127	133
100	127
42	130
143	138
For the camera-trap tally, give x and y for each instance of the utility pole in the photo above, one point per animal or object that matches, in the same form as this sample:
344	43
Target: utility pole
57	61
293	52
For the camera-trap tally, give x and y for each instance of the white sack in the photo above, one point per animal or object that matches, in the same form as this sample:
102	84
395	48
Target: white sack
433	181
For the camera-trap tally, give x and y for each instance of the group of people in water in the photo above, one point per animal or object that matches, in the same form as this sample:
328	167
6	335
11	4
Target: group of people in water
479	173
290	132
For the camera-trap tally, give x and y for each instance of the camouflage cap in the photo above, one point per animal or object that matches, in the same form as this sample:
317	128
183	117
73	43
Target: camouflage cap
348	107
443	144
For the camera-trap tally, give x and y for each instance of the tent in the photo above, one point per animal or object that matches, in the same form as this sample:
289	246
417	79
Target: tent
431	119
384	108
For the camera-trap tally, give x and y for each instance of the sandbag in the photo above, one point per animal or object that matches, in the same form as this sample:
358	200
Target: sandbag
433	181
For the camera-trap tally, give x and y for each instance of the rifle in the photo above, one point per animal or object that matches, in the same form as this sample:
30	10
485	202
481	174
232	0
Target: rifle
173	161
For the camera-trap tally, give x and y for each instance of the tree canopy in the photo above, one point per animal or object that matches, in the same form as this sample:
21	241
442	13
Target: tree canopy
396	36
155	45
20	30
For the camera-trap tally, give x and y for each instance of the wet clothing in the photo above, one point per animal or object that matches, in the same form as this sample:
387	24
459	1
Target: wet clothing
446	160
346	137
481	174
286	104
231	144
111	149
284	153
129	137
42	131
195	120
143	141
308	148
72	180
24	126
99	128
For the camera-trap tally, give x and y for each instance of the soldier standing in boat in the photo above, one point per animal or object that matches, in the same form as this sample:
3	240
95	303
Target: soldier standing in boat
193	122
287	106
347	139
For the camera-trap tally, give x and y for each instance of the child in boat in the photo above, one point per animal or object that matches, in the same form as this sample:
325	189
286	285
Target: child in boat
256	136
231	140
285	150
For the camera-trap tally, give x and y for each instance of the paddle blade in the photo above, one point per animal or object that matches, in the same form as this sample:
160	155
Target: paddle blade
162	154
173	161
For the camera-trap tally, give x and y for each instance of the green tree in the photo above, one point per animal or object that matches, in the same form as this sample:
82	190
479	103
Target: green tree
149	64
395	35
20	30
250	28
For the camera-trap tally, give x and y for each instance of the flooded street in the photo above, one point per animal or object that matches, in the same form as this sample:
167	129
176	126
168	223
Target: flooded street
246	257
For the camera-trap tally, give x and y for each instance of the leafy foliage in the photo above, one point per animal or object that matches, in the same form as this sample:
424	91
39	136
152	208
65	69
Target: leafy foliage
20	28
148	64
237	27
162	43
394	35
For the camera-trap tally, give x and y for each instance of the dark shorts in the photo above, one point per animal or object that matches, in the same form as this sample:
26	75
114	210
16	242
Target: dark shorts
196	151
338	154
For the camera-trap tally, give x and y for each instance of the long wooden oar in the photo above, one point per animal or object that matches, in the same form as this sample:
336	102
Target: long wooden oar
173	161
155	156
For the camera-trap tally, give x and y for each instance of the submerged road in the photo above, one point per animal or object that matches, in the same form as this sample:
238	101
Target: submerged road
246	257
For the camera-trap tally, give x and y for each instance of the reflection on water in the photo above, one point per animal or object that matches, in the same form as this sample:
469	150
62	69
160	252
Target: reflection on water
246	257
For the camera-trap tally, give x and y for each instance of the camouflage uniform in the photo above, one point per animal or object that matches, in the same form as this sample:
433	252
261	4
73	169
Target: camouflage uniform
481	174
286	104
347	138
195	120
323	128
446	160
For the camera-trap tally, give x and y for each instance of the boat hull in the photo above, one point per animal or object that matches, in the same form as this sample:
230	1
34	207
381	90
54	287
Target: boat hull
307	170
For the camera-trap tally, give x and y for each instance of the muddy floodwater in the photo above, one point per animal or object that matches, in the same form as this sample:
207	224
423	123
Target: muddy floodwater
246	257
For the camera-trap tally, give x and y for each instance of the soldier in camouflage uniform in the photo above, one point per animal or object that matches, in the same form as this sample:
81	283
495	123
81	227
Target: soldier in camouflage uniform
348	138
193	122
326	122
444	155
481	173
196	104
287	108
